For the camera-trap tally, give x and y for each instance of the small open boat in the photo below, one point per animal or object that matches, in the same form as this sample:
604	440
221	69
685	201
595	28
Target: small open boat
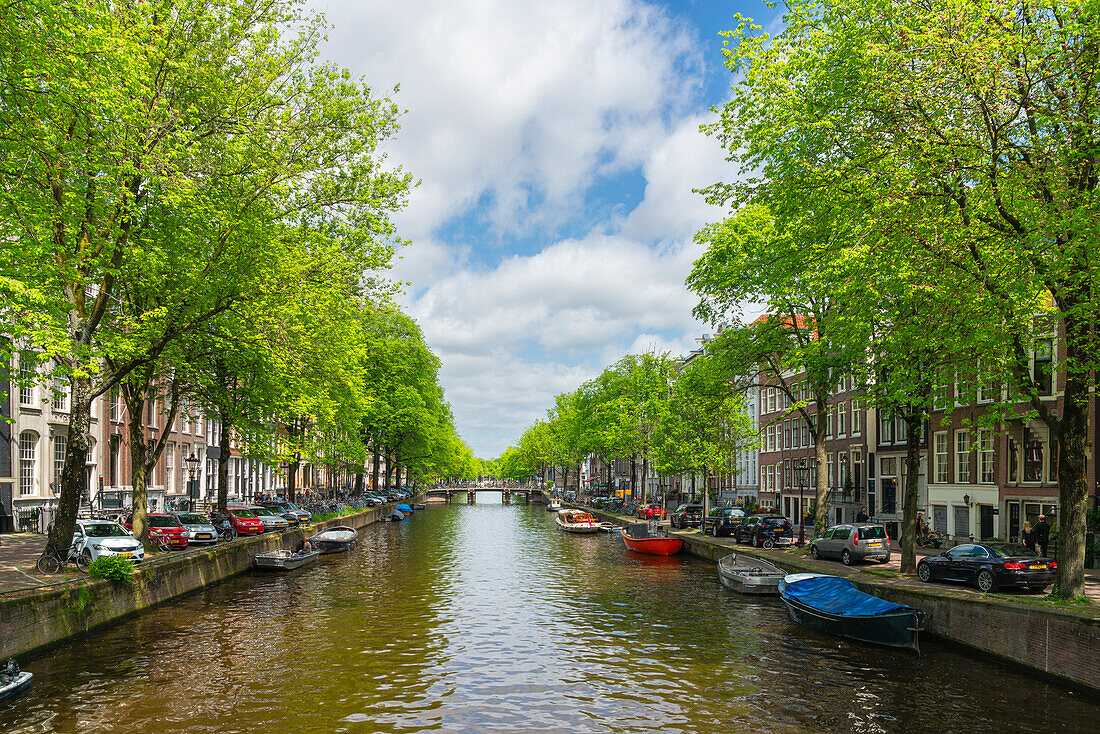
577	521
404	510
554	506
420	506
335	540
284	560
610	527
12	679
749	575
394	516
639	539
832	604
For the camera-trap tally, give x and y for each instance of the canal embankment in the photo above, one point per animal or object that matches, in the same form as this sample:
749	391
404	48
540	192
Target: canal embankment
1059	642
35	618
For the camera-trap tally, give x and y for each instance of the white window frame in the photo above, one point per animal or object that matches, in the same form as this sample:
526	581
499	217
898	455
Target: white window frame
962	456
60	445
986	473
940	447
28	450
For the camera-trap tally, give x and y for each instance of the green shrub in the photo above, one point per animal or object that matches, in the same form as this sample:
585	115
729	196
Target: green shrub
112	568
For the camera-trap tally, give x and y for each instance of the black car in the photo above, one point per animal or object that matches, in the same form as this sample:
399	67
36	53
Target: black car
686	516
764	530
989	567
722	520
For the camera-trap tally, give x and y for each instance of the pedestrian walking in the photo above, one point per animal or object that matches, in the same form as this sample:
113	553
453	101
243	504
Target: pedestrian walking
1027	536
861	516
1042	534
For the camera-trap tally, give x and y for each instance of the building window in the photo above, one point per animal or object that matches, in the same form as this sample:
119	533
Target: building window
796	426
1034	453
151	413
771	399
962	456
829	470
985	457
27	374
939	397
61	396
786	434
1043	369
886	427
940	442
60	443
116	407
28	443
169	467
857	418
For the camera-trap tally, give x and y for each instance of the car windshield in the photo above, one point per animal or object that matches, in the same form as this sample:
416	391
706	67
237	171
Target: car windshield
1011	551
241	513
104	530
778	522
733	513
872	531
162	522
261	511
193	519
291	505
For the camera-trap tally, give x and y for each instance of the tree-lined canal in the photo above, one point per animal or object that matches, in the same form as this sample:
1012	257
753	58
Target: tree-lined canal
488	618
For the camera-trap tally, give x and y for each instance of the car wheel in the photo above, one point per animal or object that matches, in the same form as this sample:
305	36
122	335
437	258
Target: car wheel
924	572
755	542
84	561
813	553
769	544
846	556
986	582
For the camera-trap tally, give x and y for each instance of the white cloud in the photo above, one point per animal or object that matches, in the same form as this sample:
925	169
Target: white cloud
523	103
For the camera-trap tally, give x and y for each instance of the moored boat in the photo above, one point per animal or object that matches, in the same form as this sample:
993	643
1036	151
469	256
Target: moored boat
832	604
638	538
610	527
405	510
749	575
13	680
420	506
577	521
554	506
335	540
284	560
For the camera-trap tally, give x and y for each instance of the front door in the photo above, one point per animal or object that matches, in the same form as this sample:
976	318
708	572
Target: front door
986	521
1013	521
962	521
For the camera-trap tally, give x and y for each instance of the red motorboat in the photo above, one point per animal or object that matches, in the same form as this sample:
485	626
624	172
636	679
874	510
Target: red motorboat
638	538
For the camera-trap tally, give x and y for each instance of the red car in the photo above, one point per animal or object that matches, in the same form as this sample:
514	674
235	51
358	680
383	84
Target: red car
245	521
649	511
162	527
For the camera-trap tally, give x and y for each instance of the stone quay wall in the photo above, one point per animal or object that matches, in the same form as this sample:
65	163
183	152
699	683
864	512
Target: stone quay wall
36	618
1060	643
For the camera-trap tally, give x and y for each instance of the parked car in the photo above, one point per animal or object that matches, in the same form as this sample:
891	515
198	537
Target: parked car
686	516
853	542
97	538
648	510
989	567
200	531
722	520
161	527
764	530
245	521
292	518
272	520
301	517
287	503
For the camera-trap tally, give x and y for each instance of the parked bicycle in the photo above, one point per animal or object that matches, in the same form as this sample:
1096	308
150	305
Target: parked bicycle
51	562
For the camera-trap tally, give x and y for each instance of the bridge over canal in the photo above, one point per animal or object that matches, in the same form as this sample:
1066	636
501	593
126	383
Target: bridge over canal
535	496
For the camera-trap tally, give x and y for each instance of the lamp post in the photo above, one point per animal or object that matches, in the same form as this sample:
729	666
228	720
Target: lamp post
801	469
192	463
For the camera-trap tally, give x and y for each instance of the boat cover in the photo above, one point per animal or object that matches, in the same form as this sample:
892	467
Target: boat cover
839	596
403	508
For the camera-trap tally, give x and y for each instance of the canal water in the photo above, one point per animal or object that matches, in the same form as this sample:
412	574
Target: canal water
487	618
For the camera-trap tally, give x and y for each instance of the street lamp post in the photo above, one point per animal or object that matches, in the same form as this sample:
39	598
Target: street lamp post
192	463
801	469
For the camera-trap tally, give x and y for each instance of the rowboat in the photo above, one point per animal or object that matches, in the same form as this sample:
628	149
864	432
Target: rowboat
832	604
284	560
610	527
749	575
420	506
639	539
13	680
577	521
335	540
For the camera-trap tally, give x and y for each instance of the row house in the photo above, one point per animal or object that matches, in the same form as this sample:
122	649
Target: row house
980	476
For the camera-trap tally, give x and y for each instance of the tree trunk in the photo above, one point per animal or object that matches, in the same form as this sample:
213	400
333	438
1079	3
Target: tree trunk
359	482
645	477
914	421
1071	435
374	473
139	464
821	425
72	474
223	463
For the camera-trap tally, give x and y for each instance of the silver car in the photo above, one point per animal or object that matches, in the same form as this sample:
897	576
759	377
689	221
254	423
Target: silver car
272	520
199	529
853	542
97	538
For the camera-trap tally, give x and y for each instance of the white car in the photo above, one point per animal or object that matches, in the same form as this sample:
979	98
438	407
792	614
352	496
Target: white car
96	538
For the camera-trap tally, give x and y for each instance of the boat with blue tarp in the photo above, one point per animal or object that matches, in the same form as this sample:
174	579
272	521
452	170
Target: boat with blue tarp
405	510
833	604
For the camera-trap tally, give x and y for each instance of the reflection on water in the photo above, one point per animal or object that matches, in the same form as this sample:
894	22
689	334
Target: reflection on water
488	618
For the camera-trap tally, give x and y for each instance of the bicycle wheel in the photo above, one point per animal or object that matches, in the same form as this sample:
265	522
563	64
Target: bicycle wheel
48	564
83	561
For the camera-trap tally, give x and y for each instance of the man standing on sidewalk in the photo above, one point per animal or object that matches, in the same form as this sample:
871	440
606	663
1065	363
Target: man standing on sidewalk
1041	534
861	516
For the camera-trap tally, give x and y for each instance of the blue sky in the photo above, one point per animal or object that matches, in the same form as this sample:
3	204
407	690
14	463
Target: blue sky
557	144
